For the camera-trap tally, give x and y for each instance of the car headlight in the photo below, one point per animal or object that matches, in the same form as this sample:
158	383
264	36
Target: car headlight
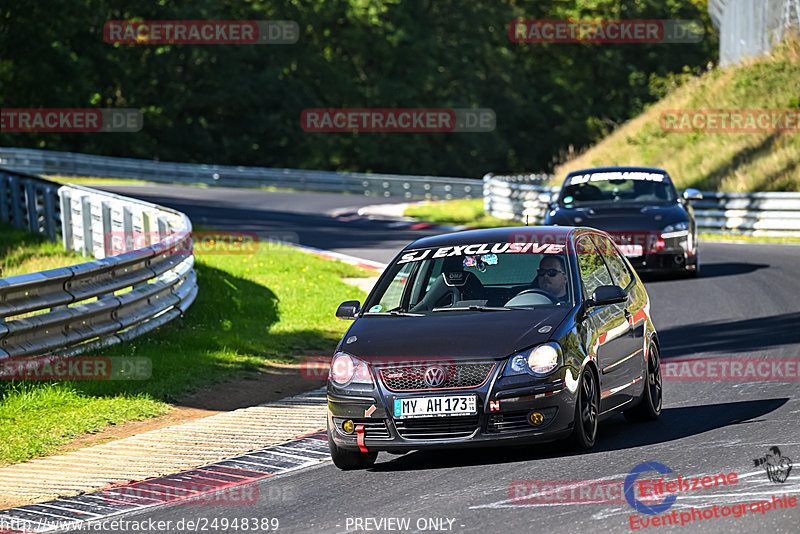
346	369
537	361
675	230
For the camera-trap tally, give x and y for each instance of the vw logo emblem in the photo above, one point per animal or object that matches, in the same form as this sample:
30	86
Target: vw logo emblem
435	377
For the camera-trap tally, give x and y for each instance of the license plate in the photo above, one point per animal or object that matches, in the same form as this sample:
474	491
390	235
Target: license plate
631	250
435	406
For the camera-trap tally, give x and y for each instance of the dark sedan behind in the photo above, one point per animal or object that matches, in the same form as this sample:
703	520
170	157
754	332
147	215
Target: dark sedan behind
639	207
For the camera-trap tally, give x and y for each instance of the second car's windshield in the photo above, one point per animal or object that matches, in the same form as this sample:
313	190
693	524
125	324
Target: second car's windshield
457	281
616	188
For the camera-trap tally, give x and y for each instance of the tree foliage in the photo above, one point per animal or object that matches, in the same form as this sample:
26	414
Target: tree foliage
241	104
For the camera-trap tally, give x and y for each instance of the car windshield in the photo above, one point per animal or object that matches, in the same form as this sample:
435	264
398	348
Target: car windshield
474	278
617	188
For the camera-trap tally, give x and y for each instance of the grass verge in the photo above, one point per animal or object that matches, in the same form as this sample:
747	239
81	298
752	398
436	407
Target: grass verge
22	252
251	309
94	180
468	212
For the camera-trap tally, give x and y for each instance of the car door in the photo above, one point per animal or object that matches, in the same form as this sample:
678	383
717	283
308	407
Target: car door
609	328
632	364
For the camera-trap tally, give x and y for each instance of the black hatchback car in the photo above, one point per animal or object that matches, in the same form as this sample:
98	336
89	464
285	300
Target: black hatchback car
489	337
639	208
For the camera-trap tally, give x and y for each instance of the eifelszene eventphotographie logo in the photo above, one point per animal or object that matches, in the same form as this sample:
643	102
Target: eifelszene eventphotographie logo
775	464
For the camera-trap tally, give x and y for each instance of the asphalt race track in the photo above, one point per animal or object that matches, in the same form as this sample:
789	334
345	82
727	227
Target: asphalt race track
746	303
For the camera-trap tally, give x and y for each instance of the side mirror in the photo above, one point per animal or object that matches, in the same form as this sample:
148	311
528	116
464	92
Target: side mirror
607	295
348	309
545	198
692	194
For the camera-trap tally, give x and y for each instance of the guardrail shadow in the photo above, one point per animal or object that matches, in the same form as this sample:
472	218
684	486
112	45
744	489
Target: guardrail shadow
614	434
744	335
708	270
713	270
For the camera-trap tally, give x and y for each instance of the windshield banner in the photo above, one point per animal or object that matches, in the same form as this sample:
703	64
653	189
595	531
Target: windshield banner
478	249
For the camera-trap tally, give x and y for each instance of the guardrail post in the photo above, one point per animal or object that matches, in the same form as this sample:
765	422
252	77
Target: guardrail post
86	215
127	229
66	218
33	211
50	215
4	196
105	220
147	224
16	201
163	231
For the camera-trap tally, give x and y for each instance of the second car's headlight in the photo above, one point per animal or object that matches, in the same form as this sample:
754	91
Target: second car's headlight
537	361
346	369
675	230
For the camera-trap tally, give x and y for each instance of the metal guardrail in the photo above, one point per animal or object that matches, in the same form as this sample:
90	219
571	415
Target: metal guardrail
387	185
116	297
766	214
516	197
751	27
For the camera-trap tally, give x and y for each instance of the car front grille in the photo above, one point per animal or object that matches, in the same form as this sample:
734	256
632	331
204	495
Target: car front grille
509	423
375	429
437	427
459	375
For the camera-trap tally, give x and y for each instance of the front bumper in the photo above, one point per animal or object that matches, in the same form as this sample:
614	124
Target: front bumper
676	254
503	406
669	261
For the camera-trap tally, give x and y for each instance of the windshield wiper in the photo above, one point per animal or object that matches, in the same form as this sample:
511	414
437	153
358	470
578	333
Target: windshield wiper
396	313
476	308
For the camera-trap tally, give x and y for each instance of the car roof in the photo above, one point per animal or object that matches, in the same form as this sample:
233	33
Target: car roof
552	234
618	168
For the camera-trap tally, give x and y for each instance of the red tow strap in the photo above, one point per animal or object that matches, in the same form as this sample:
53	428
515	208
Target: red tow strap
360	438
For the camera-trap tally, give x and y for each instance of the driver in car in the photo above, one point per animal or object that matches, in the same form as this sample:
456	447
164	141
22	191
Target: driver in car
552	277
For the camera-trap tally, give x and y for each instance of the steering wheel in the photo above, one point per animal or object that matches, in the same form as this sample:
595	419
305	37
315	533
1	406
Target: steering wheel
547	294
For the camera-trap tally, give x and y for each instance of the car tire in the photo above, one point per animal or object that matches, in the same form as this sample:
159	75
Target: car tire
649	405
349	460
587	410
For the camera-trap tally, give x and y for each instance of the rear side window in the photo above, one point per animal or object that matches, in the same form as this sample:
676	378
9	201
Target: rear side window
615	264
594	272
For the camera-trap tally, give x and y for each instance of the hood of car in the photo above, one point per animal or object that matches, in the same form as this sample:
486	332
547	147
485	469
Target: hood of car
461	335
610	218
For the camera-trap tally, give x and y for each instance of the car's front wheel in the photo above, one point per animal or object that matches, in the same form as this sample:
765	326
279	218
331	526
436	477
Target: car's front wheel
649	406
349	460
586	411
